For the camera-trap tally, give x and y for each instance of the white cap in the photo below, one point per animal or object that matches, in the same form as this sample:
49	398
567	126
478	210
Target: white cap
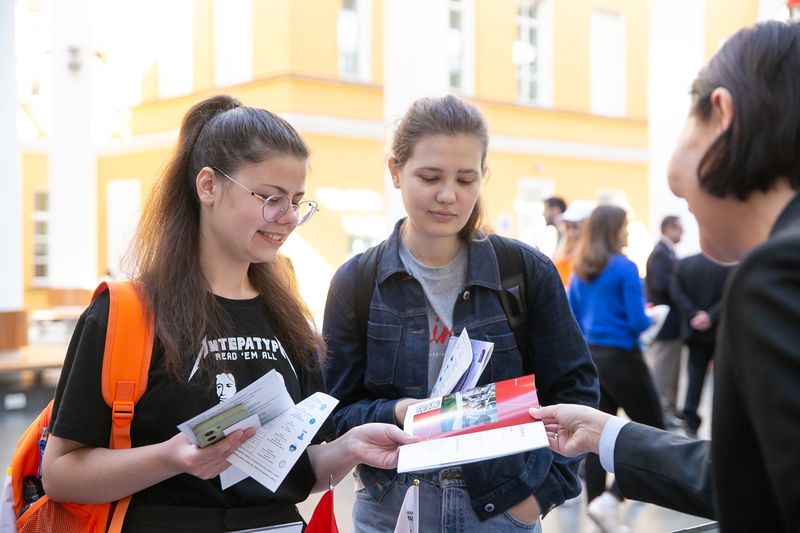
577	211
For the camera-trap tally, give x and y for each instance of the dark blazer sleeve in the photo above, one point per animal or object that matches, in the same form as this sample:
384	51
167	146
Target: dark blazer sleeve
664	468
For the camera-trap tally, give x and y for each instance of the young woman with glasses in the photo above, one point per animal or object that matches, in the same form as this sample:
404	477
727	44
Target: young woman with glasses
438	274
206	254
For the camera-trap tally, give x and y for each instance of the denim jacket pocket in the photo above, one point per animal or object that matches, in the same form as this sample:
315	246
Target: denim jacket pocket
383	344
506	362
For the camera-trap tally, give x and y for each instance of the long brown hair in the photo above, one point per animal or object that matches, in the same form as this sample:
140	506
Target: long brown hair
600	240
447	115
165	255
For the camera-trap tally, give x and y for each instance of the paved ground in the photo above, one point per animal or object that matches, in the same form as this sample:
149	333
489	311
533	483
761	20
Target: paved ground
21	398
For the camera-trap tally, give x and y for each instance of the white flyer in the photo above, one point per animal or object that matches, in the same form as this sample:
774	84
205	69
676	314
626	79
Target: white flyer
232	475
277	445
456	363
266	397
461	449
294	527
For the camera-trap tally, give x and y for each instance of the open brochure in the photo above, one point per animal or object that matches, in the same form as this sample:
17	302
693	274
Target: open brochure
464	362
283	429
464	427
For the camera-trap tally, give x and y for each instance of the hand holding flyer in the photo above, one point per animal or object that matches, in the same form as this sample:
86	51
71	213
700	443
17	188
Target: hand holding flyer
481	423
284	429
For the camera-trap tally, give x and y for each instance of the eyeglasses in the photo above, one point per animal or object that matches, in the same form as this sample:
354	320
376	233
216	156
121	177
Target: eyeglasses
275	206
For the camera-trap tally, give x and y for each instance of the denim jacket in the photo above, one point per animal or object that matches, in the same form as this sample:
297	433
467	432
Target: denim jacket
395	364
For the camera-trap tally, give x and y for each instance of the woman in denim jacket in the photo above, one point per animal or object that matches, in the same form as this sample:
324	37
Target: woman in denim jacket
437	275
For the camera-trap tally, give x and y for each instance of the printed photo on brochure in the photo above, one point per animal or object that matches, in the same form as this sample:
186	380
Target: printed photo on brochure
495	405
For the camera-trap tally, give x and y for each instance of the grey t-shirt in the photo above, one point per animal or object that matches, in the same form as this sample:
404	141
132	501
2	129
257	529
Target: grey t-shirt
442	286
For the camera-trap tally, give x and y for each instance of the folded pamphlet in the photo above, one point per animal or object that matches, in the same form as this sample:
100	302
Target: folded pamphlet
283	429
464	362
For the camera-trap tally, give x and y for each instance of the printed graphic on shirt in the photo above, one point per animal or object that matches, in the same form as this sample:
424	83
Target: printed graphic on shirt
439	332
237	351
226	386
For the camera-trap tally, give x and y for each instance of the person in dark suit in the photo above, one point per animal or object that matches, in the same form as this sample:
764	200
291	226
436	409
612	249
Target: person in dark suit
664	354
737	164
697	292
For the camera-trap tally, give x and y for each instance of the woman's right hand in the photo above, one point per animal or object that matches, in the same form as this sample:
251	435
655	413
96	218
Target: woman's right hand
207	462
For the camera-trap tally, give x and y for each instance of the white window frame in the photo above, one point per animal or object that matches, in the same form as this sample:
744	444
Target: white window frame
542	23
363	45
608	70
43	216
463	46
233	42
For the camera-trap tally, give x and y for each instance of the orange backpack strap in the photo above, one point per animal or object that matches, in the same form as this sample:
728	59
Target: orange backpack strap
126	362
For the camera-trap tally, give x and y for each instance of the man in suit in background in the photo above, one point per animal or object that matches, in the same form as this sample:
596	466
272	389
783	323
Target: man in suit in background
697	291
664	355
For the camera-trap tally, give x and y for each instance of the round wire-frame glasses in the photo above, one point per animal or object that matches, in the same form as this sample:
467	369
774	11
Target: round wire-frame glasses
276	205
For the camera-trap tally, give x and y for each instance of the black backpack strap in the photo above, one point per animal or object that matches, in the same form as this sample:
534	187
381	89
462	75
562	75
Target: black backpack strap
512	295
365	284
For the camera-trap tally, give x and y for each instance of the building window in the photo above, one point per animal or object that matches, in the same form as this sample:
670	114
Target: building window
41	231
460	45
353	35
233	42
175	60
531	53
608	72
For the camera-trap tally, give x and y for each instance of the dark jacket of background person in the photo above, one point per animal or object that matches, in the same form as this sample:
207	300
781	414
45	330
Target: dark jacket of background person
369	380
699	284
657	283
755	474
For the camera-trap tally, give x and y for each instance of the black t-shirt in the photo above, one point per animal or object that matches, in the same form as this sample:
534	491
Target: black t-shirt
247	352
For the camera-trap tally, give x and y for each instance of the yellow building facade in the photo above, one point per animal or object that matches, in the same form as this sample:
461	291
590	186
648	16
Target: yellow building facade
562	83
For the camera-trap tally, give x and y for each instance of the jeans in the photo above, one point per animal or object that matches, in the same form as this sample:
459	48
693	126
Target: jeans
444	506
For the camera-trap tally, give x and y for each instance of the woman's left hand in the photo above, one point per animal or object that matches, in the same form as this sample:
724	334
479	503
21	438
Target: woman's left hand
376	444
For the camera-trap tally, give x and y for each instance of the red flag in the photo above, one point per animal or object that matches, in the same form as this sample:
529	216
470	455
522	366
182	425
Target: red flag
323	520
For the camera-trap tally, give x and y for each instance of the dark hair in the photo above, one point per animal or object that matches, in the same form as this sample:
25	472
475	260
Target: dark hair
669	221
760	67
556	201
600	239
446	115
165	254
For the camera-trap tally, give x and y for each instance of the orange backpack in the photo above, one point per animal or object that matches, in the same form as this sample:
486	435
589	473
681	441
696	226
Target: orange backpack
126	361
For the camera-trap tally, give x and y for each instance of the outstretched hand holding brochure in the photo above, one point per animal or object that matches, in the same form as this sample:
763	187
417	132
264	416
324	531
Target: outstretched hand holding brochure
464	427
283	429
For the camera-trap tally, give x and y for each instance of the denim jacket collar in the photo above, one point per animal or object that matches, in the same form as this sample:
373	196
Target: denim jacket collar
482	269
